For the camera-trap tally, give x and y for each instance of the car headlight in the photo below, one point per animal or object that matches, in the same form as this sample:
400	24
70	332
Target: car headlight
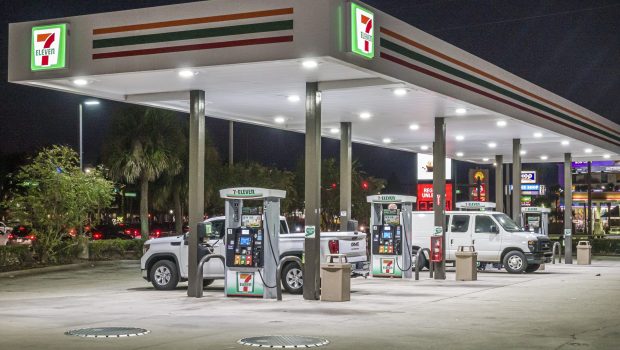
145	248
532	245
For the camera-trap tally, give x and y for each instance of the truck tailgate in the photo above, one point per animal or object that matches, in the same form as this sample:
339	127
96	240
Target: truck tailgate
352	244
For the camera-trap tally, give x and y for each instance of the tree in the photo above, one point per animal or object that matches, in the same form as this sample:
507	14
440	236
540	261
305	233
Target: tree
53	195
142	145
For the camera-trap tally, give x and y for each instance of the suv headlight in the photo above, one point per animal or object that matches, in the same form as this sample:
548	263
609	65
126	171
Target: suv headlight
532	244
145	248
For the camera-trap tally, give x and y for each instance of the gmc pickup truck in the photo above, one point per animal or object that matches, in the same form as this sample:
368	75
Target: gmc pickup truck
164	262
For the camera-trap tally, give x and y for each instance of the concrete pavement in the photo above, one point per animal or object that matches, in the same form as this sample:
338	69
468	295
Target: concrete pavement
563	307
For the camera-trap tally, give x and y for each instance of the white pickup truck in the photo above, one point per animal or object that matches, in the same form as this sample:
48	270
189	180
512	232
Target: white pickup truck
164	262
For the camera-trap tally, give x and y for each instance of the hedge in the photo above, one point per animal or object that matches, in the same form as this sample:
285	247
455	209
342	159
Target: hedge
110	249
15	256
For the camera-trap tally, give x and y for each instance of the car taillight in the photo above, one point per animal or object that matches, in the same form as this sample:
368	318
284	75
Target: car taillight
334	248
31	237
136	233
97	235
127	232
11	236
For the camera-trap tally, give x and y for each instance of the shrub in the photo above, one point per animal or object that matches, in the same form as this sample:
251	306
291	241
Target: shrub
111	249
15	255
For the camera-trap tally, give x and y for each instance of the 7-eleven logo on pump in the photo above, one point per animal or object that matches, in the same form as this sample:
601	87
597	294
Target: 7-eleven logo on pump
362	31
387	266
245	282
48	47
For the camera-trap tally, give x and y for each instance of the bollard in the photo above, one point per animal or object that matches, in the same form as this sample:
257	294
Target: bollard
201	263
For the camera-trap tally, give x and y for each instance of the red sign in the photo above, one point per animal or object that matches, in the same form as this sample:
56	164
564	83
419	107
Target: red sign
426	198
436	249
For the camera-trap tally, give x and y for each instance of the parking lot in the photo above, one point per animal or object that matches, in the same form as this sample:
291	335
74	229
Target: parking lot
563	307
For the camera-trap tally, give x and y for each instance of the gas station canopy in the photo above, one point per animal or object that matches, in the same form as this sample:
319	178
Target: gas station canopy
253	59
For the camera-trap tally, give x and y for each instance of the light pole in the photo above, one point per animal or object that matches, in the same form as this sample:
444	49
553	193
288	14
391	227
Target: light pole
87	103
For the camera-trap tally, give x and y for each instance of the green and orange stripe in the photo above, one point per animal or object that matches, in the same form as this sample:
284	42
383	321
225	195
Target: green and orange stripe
530	103
160	42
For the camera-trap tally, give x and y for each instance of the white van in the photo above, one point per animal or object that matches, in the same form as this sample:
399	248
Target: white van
496	238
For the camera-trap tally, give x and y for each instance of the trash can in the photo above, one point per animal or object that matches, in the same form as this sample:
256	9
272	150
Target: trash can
336	278
584	253
466	261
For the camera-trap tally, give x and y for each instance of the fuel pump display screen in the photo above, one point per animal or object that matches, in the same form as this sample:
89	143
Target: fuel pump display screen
387	234
244	241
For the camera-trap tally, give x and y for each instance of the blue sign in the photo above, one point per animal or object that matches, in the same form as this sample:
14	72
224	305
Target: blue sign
530	187
528	177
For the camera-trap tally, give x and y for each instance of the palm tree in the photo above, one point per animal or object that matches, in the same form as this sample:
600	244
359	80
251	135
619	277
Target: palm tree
143	144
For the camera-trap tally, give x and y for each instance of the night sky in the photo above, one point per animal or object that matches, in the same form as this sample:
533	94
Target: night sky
570	47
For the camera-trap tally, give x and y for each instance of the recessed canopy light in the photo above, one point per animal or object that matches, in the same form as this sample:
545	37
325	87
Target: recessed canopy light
523	152
588	150
334	130
310	64
459	154
387	140
543	157
460	111
485	159
365	115
424	147
279	120
459	137
538	135
187	73
91	102
492	144
414	127
80	82
293	98
565	143
400	91
501	123
606	156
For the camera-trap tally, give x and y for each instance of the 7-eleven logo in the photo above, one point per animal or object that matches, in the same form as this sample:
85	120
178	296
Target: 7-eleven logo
245	282
387	266
48	47
362	23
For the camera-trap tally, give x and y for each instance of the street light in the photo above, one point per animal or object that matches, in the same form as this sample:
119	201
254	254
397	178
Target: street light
87	103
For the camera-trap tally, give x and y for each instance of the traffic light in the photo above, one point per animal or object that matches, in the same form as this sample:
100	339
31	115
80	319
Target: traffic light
365	185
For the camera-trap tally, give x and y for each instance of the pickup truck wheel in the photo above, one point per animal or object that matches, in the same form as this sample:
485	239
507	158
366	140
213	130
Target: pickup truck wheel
515	262
532	268
164	275
207	282
292	278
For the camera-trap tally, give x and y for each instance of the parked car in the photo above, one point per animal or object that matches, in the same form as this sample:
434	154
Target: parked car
5	233
107	232
165	261
22	234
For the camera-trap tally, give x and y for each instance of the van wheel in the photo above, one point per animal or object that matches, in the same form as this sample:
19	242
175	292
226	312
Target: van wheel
424	261
532	268
164	275
515	262
293	278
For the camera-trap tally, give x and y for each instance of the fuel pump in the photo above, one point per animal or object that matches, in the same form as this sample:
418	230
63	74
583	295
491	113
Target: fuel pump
390	221
252	251
535	219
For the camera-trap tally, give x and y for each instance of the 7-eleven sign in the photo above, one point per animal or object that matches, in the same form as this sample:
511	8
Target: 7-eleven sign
245	282
48	47
387	266
362	31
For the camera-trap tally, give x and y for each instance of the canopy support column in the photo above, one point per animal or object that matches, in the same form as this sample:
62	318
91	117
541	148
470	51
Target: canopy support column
516	180
568	210
196	184
345	174
312	253
439	191
499	184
